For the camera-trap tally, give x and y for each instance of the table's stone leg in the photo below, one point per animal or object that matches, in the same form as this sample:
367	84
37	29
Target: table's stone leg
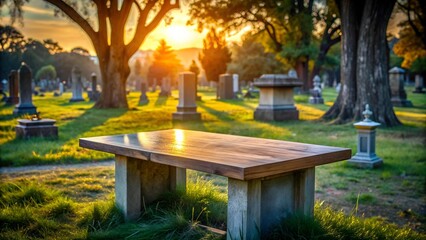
256	205
139	182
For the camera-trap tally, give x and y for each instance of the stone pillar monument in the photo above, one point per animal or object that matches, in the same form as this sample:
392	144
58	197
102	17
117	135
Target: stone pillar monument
166	88
94	94
77	86
143	99
419	84
187	107
13	88
225	88
235	84
61	88
366	152
276	97
316	92
399	96
25	105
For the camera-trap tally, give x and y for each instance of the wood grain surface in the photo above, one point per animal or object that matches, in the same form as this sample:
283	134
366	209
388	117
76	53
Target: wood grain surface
232	156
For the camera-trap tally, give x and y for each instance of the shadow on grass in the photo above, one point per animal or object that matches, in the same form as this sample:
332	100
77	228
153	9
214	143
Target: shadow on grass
222	115
161	100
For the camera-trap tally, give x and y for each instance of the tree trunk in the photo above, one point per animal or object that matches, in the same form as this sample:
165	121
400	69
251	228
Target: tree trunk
114	70
364	63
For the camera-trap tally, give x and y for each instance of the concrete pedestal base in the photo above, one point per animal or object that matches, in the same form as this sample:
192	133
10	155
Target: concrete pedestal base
139	182
255	206
271	114
186	116
362	161
21	110
39	128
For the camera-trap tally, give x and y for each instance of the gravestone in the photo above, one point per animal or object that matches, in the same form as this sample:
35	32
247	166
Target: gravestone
225	88
77	85
316	92
366	152
235	84
398	94
166	88
29	128
276	101
25	105
154	85
143	99
94	94
13	88
419	84
61	88
187	107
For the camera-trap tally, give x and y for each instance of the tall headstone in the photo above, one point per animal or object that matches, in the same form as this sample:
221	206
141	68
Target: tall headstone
61	88
94	94
13	88
166	87
236	86
25	105
77	85
316	92
143	99
418	84
276	101
366	152
225	89
187	107
399	96
154	85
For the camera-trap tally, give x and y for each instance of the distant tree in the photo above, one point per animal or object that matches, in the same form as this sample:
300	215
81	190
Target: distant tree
165	63
52	46
12	45
81	51
412	36
108	37
194	68
47	72
36	55
250	60
215	55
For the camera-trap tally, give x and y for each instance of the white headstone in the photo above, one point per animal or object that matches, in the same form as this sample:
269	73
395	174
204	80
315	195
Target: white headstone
235	83
61	88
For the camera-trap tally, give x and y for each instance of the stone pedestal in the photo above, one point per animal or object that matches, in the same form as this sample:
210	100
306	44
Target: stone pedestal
366	151
77	86
187	107
399	96
38	128
255	206
225	88
419	84
25	105
13	88
276	98
316	92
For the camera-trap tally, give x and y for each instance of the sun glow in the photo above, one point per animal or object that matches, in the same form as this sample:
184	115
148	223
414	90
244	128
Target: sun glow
180	36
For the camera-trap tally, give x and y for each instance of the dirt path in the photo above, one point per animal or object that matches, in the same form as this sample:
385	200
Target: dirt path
33	168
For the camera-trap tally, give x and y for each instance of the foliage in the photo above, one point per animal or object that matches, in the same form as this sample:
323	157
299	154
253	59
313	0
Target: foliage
419	65
65	61
214	55
412	42
250	60
36	55
47	72
52	46
165	63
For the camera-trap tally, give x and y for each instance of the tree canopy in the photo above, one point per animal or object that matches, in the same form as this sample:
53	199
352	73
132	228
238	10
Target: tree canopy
165	62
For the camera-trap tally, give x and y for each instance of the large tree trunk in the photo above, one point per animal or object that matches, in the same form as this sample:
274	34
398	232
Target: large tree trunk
364	63
115	70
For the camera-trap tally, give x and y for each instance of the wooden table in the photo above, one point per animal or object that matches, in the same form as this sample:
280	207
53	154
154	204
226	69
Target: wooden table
267	179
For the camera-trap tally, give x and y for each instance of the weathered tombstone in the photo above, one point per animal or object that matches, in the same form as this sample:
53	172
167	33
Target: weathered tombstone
154	85
166	88
366	152
338	86
235	84
13	88
143	99
25	105
419	84
35	127
77	86
61	88
187	107
94	94
225	88
399	96
276	101
316	92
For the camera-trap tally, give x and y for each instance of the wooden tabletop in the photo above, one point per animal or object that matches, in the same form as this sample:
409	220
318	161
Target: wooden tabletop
232	156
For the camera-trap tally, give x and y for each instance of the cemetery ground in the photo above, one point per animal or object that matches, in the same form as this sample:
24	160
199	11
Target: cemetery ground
384	203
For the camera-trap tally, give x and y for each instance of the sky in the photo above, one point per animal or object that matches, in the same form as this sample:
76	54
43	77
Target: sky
40	23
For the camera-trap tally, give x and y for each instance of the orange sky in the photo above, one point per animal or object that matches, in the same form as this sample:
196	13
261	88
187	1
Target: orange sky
39	23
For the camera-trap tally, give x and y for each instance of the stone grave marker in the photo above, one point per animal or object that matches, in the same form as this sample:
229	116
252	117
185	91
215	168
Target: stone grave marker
25	105
187	107
316	92
94	94
419	84
276	101
166	88
398	94
235	84
77	85
143	99
225	88
13	88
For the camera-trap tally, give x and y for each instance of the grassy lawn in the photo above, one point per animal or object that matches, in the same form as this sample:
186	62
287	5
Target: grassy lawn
81	201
